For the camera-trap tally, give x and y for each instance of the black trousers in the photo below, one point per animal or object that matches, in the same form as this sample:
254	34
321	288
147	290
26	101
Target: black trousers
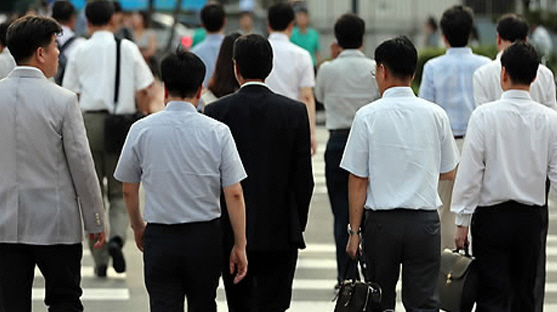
507	248
182	261
60	266
267	286
337	188
410	238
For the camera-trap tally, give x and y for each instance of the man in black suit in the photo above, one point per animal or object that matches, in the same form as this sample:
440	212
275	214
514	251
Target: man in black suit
273	138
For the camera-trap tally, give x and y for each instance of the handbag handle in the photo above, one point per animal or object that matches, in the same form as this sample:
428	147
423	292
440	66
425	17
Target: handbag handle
465	249
360	270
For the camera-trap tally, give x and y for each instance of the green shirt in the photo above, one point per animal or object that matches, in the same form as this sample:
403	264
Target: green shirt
309	41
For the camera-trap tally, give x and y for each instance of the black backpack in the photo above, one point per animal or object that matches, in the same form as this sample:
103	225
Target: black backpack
63	61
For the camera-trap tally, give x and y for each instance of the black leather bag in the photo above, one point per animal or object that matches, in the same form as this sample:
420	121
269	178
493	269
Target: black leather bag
357	296
458	281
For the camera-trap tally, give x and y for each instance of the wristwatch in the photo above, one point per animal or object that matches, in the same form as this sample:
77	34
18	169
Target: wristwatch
350	232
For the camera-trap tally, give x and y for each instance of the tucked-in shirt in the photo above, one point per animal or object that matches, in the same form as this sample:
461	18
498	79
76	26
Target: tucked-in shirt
183	159
308	40
509	150
91	73
67	33
447	81
292	67
402	144
7	63
487	84
208	52
344	85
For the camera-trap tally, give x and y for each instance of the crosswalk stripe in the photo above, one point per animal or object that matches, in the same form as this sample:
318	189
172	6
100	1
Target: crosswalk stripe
91	294
89	272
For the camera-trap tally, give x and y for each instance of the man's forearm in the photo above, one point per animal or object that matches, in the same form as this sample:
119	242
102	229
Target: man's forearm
131	200
357	188
308	99
234	197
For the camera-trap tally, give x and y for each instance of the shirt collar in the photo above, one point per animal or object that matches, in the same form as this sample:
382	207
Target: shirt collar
102	35
254	83
498	57
398	92
67	32
181	106
214	37
27	71
459	51
278	36
516	95
351	53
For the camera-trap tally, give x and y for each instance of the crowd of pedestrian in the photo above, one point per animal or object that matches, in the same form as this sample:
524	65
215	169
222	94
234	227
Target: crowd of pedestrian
226	164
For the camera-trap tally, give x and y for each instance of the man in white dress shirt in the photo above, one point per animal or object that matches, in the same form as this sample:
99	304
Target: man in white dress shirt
399	147
7	62
91	73
509	150
64	13
487	79
293	74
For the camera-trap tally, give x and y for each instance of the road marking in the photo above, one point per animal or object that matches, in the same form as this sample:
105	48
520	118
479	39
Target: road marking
89	272
92	294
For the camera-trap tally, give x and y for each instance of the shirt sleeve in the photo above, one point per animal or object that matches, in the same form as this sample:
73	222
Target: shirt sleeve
356	154
449	149
231	169
71	80
551	100
143	75
128	169
468	184
307	75
320	83
427	90
481	95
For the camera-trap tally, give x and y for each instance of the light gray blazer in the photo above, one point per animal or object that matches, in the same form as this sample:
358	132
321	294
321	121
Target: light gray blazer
48	185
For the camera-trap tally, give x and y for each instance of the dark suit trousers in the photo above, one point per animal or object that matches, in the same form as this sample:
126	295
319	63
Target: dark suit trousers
411	238
60	266
507	247
182	261
268	285
337	188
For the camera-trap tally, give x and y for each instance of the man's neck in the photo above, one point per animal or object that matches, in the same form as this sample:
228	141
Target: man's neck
283	32
219	32
243	82
94	29
518	87
193	101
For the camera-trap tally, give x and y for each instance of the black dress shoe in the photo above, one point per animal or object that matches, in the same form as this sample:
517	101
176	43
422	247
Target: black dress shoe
115	251
100	271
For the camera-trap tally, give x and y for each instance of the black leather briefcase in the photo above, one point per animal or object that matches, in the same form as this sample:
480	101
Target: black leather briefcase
357	296
458	281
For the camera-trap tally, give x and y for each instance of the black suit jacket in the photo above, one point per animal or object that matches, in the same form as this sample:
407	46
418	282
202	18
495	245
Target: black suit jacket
273	138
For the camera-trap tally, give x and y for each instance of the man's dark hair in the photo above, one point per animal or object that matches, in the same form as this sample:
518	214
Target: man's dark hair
512	27
280	16
117	7
182	73
521	62
212	17
62	11
254	56
3	32
398	55
99	12
349	31
456	25
28	33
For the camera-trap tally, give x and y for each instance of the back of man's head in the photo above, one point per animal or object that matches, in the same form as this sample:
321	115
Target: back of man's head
182	73
399	56
29	33
212	17
254	56
63	11
512	27
349	31
280	16
521	61
3	32
99	12
456	25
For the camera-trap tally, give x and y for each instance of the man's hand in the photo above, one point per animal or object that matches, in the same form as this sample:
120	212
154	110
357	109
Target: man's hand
238	263
313	143
353	246
99	239
138	234
461	237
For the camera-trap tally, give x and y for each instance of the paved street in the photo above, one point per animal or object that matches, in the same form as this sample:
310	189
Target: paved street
315	277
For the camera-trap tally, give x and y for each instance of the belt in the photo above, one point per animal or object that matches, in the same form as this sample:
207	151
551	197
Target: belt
457	137
340	131
100	111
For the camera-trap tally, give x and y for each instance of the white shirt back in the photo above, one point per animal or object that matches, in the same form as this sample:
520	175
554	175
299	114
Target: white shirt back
402	144
487	84
292	67
67	34
91	73
509	150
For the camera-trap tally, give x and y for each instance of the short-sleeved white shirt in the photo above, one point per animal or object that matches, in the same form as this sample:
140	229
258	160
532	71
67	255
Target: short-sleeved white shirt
292	67
402	144
91	73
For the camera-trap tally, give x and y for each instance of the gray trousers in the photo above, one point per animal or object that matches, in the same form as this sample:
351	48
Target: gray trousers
105	164
409	238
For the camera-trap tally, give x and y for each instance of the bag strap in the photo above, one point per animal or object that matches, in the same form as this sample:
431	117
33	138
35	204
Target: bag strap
117	79
359	270
67	44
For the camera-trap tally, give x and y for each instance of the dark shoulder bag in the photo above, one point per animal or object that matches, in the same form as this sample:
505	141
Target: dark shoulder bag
63	61
457	281
116	127
355	295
